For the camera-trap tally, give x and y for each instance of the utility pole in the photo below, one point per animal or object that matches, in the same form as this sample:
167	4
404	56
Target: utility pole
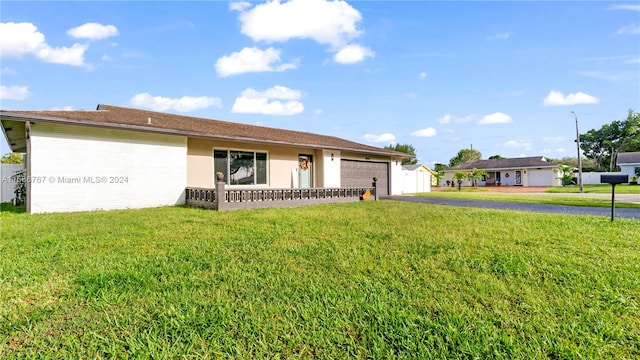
579	156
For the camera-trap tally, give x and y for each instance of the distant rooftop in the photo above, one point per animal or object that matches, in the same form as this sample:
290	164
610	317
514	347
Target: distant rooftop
628	158
511	163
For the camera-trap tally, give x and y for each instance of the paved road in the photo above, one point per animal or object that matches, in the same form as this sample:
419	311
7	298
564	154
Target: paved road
542	208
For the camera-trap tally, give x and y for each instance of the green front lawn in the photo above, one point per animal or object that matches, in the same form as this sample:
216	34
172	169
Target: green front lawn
361	280
597	189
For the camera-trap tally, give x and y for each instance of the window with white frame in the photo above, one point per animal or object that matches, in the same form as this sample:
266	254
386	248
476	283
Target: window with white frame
241	167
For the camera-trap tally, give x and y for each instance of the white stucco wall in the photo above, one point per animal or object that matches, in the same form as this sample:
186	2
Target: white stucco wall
397	180
629	169
448	176
80	168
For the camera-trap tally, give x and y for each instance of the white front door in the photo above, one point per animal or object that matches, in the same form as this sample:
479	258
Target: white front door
518	179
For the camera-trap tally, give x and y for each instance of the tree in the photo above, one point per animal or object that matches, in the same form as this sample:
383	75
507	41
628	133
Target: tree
12	158
476	174
496	157
459	176
566	174
407	149
587	164
604	144
464	156
439	167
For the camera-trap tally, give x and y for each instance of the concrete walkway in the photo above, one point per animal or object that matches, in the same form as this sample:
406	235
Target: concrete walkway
540	208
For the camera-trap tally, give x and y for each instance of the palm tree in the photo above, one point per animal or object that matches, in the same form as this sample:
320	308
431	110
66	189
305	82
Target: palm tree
566	174
475	175
460	175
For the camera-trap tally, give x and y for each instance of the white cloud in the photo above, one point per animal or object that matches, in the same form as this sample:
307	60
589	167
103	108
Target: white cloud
631	29
352	54
23	39
495	118
239	6
282	92
255	102
383	138
553	139
633	61
626	7
251	60
326	22
524	144
63	108
556	98
445	119
422	76
93	31
332	23
64	55
183	104
427	132
318	111
14	92
499	36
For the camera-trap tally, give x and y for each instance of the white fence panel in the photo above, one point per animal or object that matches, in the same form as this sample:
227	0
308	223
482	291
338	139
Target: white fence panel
7	183
593	178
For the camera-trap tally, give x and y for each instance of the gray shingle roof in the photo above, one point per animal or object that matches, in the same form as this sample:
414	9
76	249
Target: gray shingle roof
628	158
111	116
512	163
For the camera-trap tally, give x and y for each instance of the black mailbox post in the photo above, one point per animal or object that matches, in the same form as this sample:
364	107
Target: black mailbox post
614	180
375	188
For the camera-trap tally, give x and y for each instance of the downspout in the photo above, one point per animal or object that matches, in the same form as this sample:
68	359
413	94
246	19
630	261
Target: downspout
27	130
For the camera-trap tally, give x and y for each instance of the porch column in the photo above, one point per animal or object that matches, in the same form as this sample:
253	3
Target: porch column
220	200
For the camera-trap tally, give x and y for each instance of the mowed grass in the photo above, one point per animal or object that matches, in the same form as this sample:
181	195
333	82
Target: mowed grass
371	280
597	189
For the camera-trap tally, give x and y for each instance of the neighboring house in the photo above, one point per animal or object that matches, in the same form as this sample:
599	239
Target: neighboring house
523	171
416	179
629	163
116	157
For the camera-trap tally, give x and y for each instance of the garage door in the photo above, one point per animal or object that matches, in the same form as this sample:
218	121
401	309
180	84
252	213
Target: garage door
540	177
361	173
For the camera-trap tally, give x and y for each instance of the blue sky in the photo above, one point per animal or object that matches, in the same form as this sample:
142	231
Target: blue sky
442	76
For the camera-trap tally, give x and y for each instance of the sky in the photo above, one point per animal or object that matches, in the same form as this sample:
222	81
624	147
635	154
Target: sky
502	77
